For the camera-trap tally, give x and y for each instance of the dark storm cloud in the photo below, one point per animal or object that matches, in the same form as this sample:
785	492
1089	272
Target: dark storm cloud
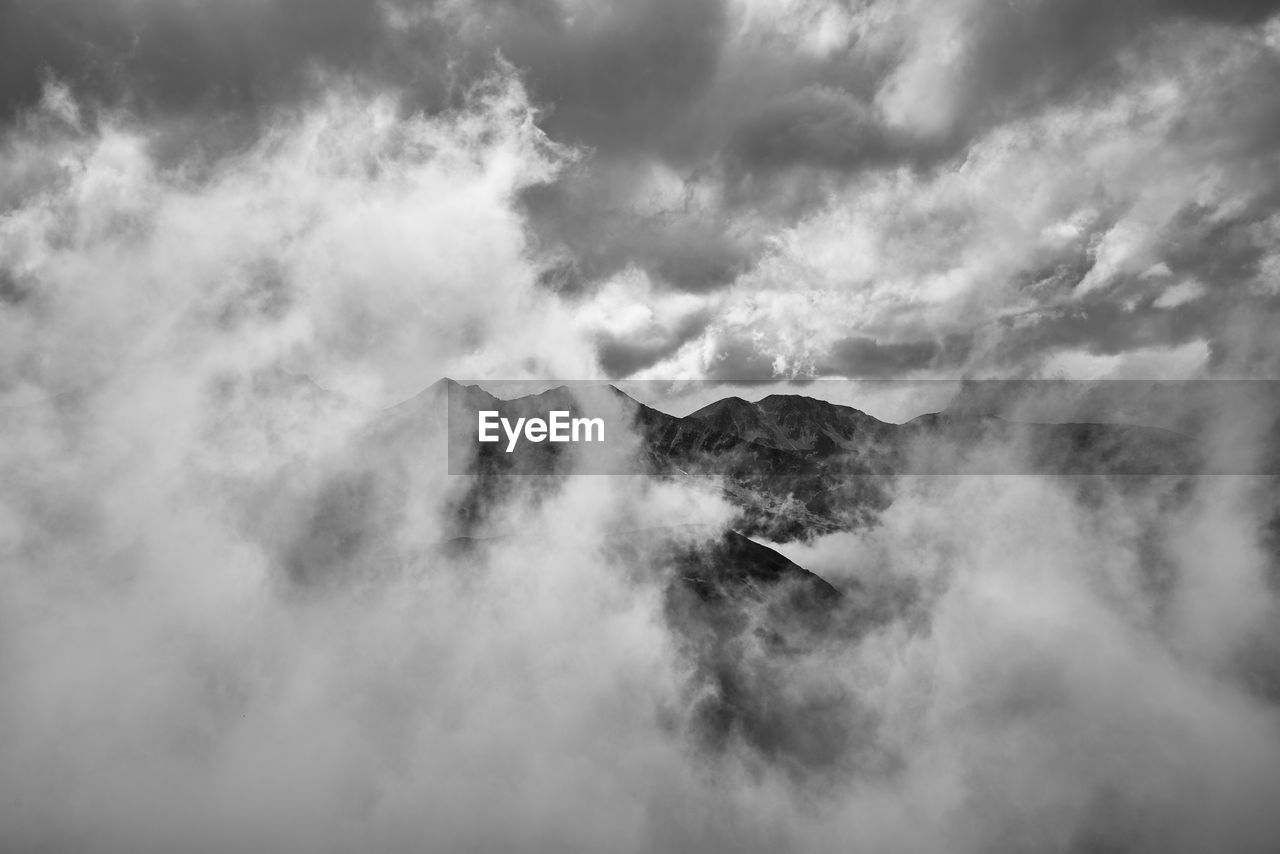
1023	56
816	126
1101	327
1222	251
589	223
614	76
1020	58
12	290
621	80
1231	11
863	357
697	259
738	359
182	55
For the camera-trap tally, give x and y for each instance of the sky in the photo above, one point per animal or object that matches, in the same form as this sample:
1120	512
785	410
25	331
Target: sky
232	233
711	190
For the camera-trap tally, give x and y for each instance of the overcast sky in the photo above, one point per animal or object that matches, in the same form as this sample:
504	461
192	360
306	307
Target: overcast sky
230	610
698	189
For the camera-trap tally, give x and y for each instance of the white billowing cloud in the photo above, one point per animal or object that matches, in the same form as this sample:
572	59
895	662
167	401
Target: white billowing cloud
164	685
1066	685
630	307
923	93
371	250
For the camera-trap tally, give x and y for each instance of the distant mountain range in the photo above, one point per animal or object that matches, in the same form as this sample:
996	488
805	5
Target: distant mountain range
799	466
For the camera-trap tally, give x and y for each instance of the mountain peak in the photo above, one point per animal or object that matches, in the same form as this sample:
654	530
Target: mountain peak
803	401
725	404
622	394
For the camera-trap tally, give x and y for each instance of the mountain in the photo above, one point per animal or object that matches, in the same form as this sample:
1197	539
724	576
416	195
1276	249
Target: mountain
737	417
796	423
798	466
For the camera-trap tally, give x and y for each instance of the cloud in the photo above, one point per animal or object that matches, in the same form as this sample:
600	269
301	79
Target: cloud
228	616
822	127
738	358
1102	328
347	243
861	356
614	77
604	218
967	156
626	356
185	520
1059	214
171	55
1234	11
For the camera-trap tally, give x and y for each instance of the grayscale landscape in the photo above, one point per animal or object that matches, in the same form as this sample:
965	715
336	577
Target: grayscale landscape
935	503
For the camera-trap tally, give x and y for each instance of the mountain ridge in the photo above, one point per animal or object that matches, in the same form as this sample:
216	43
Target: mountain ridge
797	466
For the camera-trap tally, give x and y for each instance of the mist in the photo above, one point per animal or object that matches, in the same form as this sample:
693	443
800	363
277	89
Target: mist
230	622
